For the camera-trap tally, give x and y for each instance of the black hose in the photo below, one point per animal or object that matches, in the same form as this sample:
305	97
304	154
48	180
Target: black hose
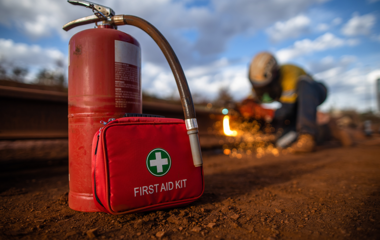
171	57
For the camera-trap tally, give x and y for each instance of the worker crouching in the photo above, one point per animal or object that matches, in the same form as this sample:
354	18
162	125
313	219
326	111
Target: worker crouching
298	93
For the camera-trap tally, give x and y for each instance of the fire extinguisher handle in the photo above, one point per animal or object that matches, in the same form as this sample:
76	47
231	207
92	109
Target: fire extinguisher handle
179	76
99	10
102	13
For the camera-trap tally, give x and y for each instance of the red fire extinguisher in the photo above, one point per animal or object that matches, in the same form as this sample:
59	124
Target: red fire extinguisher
105	82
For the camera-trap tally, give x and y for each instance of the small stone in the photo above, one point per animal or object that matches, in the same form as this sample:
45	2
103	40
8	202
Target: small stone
160	234
235	216
138	223
180	228
173	219
224	209
69	234
270	238
278	210
138	234
211	225
185	221
91	233
196	229
182	213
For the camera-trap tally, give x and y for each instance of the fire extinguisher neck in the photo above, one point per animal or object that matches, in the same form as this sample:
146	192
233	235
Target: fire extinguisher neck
106	24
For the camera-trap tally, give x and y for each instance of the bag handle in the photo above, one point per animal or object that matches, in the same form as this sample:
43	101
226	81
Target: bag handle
183	88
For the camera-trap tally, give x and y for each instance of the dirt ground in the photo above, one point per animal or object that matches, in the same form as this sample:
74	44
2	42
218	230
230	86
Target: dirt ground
333	193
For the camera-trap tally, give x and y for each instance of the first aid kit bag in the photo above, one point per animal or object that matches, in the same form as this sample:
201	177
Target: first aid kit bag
143	164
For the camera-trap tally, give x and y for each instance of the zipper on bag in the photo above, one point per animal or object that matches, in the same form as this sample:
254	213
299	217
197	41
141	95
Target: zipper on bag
96	150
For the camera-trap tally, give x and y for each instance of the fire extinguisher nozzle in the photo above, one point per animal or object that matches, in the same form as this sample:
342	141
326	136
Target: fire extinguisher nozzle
195	147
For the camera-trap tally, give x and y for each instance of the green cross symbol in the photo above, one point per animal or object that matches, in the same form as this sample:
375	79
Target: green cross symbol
158	162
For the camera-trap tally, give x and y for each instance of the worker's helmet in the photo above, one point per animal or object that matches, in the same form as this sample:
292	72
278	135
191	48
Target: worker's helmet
262	69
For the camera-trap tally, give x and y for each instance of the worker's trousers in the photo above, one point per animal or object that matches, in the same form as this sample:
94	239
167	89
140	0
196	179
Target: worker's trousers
302	115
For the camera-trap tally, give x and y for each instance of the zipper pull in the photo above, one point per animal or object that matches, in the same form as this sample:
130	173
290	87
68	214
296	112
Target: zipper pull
109	120
100	131
97	142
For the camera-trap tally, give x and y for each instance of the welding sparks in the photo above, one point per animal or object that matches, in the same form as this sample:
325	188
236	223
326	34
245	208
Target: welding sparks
247	140
226	127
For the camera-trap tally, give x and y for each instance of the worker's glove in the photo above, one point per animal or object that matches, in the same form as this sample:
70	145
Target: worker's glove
249	108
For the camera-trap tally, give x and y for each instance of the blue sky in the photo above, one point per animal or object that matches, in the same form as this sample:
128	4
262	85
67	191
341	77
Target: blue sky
336	41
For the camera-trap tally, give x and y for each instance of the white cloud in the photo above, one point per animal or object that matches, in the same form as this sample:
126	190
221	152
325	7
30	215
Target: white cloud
291	28
206	80
234	78
336	21
323	27
214	24
345	88
207	69
359	25
349	89
372	78
376	37
372	1
329	63
307	46
353	41
29	55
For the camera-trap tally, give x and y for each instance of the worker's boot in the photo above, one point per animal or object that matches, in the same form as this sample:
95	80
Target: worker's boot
304	144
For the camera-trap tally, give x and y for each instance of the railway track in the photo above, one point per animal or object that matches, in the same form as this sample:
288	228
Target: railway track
39	115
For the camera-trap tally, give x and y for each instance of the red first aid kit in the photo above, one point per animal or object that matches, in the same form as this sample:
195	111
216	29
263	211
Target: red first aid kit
142	164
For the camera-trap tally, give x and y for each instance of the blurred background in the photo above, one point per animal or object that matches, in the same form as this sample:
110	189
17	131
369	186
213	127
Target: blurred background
336	41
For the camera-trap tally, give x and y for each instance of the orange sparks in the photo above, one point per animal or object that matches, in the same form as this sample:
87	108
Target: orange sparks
226	127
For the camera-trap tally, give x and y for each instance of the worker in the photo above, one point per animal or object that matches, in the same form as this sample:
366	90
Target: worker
298	93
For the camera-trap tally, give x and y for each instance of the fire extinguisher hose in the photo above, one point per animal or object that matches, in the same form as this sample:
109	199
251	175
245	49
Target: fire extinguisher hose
179	75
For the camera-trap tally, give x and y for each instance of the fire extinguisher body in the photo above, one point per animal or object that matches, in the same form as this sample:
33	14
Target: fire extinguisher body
104	82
